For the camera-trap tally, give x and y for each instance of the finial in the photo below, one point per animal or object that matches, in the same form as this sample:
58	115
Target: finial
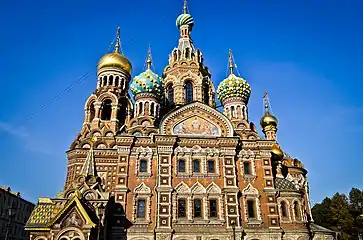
230	59
149	58
118	41
266	102
185	9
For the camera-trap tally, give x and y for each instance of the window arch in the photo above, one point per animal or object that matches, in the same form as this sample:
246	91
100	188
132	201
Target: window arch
170	93
104	81
297	211
106	109
110	80
188	92
152	109
284	209
92	111
143	166
181	165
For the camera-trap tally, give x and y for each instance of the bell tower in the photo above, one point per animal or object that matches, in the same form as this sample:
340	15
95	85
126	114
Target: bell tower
186	78
109	107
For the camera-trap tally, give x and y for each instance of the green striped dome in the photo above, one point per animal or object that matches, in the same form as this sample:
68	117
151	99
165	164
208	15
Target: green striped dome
184	19
147	82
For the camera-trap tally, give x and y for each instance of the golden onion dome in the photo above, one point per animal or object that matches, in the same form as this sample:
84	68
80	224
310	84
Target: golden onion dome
277	153
115	59
268	120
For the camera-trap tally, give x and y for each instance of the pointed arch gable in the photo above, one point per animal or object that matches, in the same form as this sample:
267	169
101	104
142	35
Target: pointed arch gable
90	100
213	189
196	119
182	188
108	95
197	188
142	189
250	190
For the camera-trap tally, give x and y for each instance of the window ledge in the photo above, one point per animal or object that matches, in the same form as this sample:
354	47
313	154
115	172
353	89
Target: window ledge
249	177
144	175
254	222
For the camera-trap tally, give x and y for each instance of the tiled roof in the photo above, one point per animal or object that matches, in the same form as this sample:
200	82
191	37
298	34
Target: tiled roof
43	212
317	228
284	184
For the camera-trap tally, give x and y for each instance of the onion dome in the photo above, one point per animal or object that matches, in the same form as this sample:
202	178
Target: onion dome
277	153
115	59
233	86
185	18
267	119
147	81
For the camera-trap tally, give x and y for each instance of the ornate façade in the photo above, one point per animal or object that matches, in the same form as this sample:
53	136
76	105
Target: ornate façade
170	166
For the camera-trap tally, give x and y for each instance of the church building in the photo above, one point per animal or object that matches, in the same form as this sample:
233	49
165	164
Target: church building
156	158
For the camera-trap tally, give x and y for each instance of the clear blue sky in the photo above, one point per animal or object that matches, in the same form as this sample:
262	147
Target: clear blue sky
307	54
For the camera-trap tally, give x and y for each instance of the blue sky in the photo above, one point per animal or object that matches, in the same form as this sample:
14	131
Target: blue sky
306	54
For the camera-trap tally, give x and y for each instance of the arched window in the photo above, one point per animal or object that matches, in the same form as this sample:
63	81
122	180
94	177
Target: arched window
92	111
110	80
206	93
211	166
140	108
152	108
104	81
182	208
143	166
175	56
117	81
187	53
106	109
233	112
284	210
297	211
170	93
251	208
189	92
181	166
122	112
196	166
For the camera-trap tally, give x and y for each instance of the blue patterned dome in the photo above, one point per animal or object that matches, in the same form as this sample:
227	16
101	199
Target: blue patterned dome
234	86
147	82
184	19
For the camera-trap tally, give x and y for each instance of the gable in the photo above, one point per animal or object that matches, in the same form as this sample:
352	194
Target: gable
196	119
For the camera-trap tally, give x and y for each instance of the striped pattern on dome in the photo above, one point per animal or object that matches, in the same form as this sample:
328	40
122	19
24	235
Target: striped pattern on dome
184	19
234	86
147	82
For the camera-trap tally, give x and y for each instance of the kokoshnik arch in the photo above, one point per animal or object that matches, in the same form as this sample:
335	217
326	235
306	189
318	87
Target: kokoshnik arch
170	166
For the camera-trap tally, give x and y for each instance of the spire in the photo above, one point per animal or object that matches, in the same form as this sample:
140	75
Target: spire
89	168
230	59
149	58
118	41
266	102
185	9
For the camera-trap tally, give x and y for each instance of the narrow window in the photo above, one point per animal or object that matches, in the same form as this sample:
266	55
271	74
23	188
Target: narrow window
181	208
197	208
170	92
143	166
189	92
211	167
104	81
283	209
106	109
247	168
213	208
140	108
92	111
110	80
251	208
196	166
152	108
181	166
141	208
206	94
117	81
187	52
297	210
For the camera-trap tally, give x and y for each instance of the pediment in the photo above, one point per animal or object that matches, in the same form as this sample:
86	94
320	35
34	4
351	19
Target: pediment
196	119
